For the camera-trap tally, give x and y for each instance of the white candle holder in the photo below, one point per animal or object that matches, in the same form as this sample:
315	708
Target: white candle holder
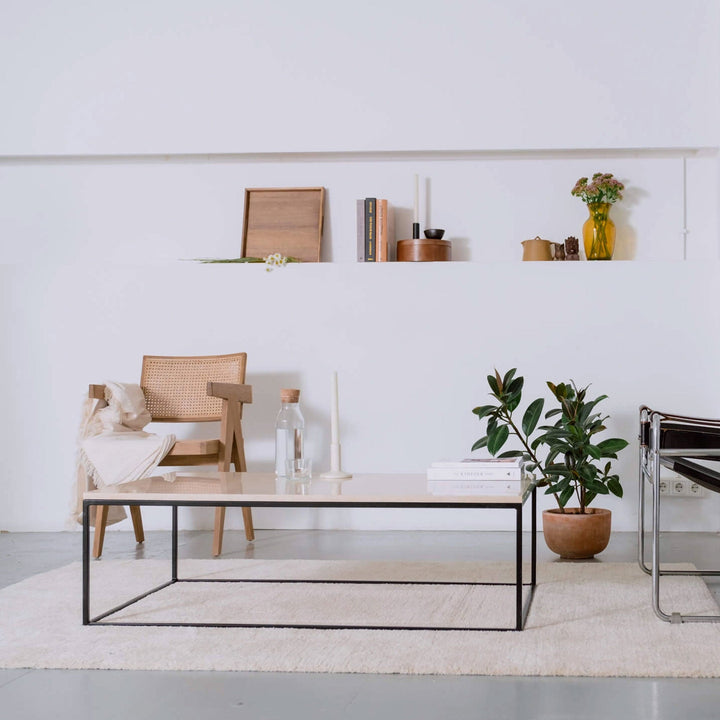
335	472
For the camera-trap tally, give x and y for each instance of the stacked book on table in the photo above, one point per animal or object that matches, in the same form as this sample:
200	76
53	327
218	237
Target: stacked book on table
482	476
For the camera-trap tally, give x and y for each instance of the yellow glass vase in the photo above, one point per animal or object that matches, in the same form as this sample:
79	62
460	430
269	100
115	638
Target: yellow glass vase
599	233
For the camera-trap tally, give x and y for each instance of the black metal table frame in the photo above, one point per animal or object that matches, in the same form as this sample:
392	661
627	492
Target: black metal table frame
521	608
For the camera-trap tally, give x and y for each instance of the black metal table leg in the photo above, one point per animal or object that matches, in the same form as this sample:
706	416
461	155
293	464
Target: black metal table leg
518	570
86	564
174	543
533	540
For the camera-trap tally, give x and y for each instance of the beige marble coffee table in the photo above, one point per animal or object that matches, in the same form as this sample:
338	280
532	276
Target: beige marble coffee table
229	489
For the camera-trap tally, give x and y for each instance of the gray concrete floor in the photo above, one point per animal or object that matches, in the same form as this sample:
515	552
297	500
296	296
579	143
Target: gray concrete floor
62	694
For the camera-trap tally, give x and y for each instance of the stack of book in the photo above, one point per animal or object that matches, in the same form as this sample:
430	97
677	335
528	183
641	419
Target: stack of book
373	230
484	476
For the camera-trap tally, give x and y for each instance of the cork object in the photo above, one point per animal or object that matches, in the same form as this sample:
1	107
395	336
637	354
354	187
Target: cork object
288	395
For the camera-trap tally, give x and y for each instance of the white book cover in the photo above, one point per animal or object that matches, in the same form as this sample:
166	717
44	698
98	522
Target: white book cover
471	473
489	462
476	487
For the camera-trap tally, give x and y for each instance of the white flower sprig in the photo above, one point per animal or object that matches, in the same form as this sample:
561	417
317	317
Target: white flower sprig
275	260
271	261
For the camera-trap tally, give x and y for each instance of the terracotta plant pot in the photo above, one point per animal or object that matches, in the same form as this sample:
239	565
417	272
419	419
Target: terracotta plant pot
575	535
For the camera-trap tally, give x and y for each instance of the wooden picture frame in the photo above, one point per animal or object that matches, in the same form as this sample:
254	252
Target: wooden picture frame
284	220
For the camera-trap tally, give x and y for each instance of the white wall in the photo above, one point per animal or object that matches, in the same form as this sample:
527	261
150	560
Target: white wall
91	278
179	76
412	345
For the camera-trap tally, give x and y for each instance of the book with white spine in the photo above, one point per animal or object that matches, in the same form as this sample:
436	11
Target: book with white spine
477	487
490	462
480	469
475	473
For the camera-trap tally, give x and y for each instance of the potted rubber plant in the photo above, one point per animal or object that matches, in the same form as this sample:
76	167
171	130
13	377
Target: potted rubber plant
577	464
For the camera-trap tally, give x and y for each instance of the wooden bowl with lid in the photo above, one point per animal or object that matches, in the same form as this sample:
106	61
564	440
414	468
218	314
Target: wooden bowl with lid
424	250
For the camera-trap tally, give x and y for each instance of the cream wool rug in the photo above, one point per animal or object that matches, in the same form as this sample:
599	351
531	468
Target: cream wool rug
587	619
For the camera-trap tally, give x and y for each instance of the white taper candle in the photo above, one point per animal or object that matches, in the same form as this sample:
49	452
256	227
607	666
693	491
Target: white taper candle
336	472
334	415
416	209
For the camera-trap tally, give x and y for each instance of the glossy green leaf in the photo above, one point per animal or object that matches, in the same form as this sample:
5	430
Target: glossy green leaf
509	375
614	486
532	415
593	451
515	386
493	383
596	487
481	443
552	455
559	391
497	439
565	496
561	485
611	446
511	454
484	410
491	425
512	401
559	471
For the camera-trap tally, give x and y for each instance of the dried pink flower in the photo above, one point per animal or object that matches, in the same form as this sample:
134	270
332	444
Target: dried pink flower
604	188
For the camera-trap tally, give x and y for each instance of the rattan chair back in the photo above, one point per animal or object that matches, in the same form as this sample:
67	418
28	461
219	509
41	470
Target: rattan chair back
176	387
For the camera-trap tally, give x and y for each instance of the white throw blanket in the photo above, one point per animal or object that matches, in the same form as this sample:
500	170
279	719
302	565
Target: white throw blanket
112	446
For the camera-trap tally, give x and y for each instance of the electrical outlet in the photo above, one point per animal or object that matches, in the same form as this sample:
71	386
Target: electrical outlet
678	486
695	490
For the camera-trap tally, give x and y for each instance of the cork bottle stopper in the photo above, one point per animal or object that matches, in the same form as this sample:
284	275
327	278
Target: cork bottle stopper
288	395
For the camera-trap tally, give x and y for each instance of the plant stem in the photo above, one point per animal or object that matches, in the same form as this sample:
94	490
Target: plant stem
523	440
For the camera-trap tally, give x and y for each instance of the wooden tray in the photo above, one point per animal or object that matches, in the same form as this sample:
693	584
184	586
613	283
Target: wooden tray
284	220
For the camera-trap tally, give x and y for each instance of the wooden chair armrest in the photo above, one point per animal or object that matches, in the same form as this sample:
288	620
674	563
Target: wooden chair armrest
230	391
96	392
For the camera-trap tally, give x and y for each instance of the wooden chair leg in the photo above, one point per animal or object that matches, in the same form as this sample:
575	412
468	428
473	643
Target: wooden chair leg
137	523
247	519
219	527
101	514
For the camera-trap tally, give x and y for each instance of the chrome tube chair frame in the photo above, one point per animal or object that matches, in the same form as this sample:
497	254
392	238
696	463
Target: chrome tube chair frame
661	438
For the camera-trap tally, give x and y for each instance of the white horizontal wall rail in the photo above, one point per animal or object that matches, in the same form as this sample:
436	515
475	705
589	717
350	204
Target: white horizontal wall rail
469	155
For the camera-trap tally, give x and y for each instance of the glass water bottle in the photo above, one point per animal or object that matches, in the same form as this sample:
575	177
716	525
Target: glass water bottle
289	430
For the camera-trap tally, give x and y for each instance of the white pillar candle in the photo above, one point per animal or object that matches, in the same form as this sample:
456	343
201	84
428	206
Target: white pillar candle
416	212
334	416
